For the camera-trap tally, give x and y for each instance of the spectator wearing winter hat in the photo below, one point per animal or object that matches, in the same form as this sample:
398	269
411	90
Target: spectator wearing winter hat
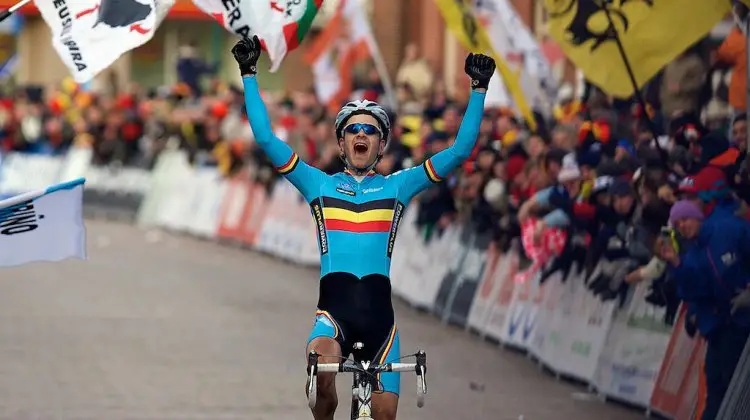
686	216
714	285
715	196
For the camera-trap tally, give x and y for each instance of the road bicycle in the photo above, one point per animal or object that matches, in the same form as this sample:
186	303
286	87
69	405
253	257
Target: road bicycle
365	378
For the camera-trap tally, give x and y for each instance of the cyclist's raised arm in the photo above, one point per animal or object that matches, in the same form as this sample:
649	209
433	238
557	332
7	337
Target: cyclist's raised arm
480	68
303	176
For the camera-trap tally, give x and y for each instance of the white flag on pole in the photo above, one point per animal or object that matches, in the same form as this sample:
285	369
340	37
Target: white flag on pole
280	25
89	35
44	225
513	39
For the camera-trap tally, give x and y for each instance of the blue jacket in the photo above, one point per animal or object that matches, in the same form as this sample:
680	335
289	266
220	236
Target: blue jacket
712	267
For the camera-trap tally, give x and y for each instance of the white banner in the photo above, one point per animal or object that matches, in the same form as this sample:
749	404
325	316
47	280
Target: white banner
45	225
169	166
176	195
502	290
513	39
117	180
572	327
522	313
208	194
281	233
427	282
634	350
89	35
482	303
546	341
407	239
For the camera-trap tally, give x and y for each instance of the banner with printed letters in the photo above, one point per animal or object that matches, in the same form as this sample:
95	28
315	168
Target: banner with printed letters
89	35
44	225
634	350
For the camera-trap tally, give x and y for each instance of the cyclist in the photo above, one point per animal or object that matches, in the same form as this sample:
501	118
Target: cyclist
357	213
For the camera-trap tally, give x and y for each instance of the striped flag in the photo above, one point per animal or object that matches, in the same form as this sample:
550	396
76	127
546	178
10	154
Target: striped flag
44	225
280	25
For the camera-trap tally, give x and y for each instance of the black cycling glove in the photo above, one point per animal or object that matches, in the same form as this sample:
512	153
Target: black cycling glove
480	68
246	52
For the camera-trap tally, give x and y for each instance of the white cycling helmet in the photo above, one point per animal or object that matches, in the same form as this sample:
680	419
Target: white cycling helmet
363	107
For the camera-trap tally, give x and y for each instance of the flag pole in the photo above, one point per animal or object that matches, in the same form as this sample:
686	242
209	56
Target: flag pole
5	14
629	69
380	66
385	78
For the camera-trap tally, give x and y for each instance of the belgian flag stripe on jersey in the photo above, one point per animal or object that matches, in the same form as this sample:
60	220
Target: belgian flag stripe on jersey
289	165
384	204
367	217
364	227
431	173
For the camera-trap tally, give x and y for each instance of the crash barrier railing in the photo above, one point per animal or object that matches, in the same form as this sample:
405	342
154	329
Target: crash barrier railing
623	351
736	404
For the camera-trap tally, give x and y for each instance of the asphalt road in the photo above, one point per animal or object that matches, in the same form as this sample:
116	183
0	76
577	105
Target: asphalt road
155	326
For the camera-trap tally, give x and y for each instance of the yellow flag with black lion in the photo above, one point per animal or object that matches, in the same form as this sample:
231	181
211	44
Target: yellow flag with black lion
652	33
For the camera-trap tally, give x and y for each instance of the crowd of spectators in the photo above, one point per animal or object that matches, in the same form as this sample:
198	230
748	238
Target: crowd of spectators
620	193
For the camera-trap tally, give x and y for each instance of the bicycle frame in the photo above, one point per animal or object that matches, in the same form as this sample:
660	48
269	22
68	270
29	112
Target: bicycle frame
361	395
364	374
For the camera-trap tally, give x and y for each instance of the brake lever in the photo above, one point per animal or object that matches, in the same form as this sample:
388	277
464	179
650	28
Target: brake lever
423	378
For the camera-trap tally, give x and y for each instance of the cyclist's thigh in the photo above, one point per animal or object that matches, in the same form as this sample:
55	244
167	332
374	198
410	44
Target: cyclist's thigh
390	352
324	339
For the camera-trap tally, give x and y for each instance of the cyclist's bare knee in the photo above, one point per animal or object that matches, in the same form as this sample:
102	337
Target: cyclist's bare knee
327	399
384	405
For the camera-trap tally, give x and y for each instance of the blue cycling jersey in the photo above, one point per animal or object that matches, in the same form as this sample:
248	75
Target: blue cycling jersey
357	221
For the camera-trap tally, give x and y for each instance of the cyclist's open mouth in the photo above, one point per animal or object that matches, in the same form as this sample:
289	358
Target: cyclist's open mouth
361	148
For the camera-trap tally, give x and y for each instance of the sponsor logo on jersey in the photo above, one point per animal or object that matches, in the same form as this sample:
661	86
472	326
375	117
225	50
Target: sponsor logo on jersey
347	189
397	214
317	213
